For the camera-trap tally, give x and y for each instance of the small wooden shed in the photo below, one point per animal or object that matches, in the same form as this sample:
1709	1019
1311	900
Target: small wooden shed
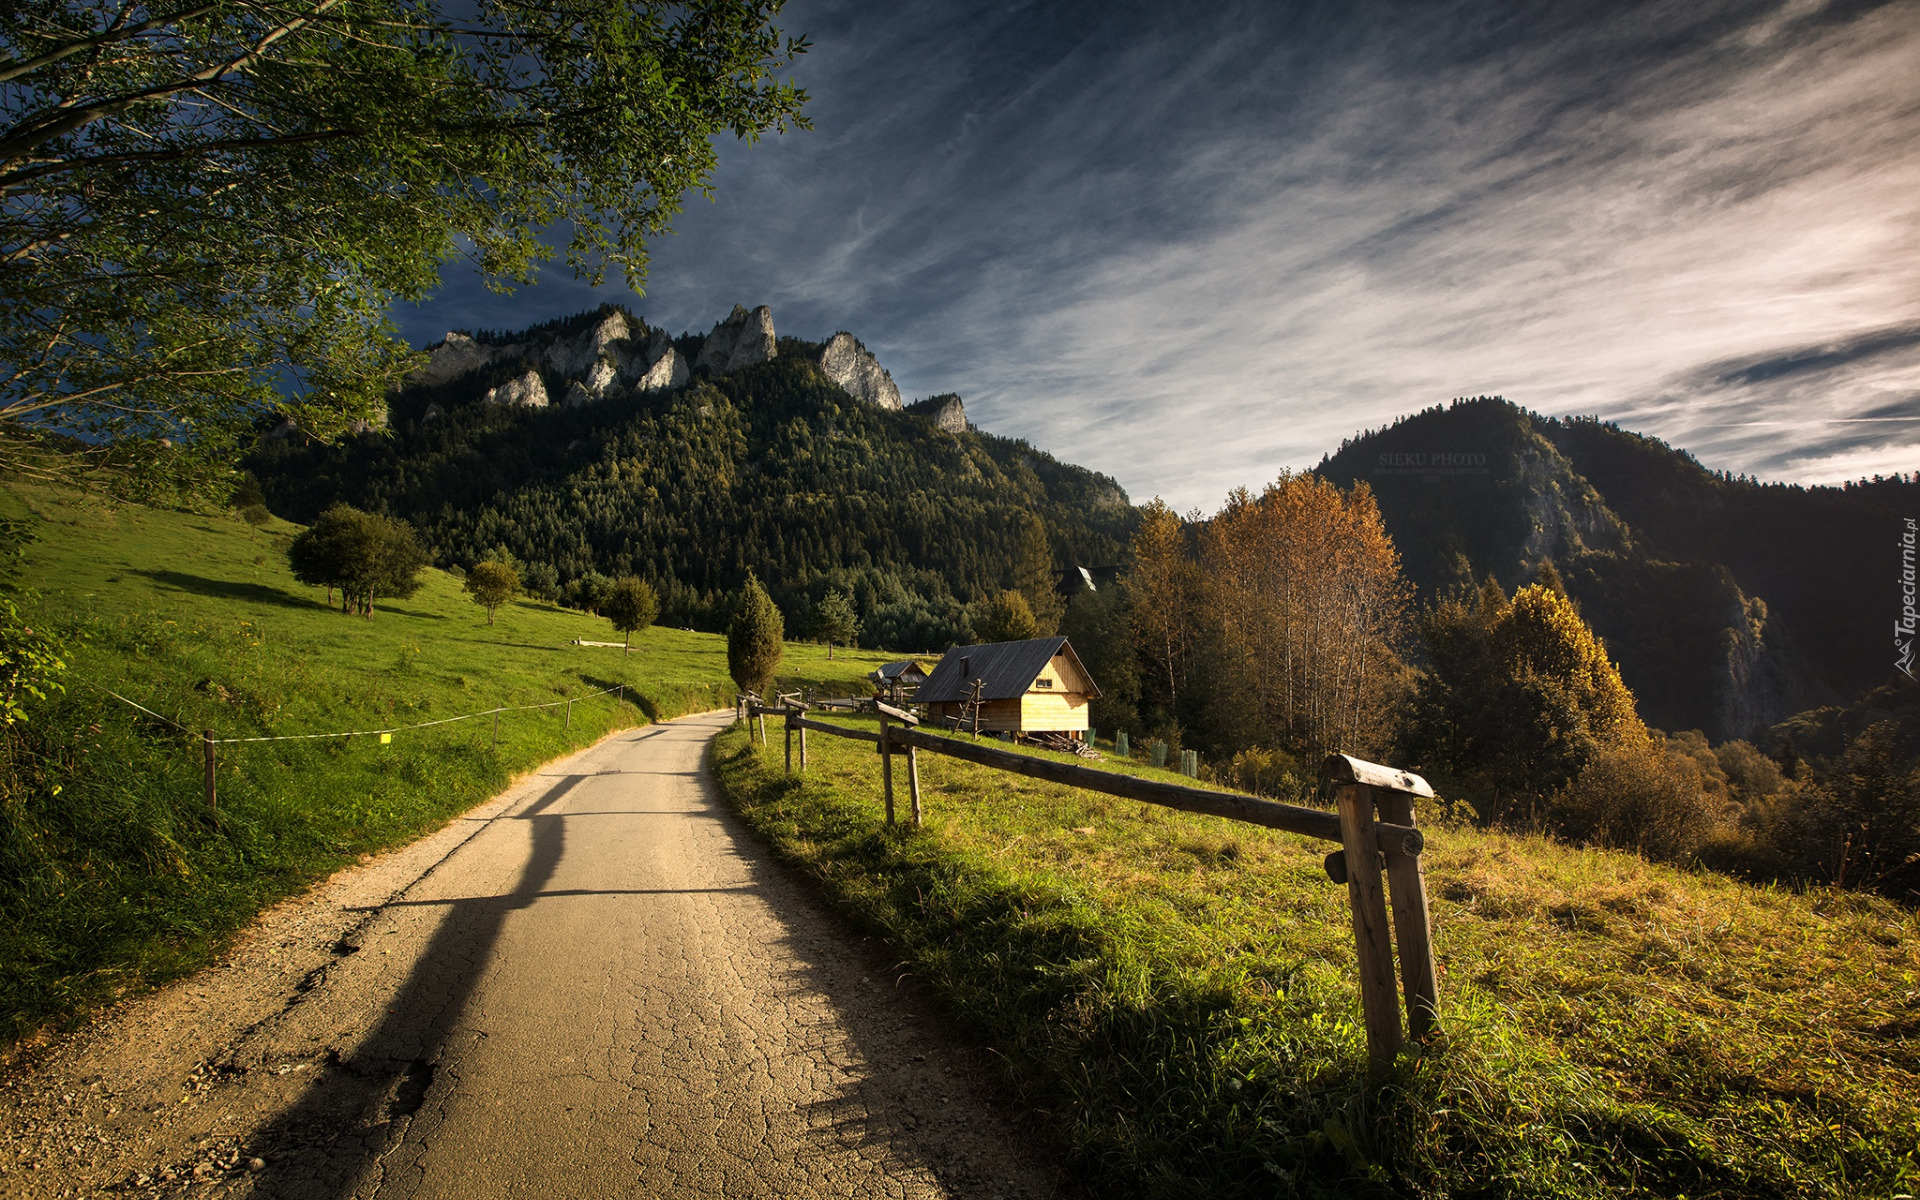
1035	686
897	682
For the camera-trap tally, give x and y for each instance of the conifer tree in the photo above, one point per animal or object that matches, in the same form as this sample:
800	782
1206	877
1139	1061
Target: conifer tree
1035	579
754	639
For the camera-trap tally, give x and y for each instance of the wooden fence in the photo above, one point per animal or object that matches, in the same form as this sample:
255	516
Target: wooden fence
1373	823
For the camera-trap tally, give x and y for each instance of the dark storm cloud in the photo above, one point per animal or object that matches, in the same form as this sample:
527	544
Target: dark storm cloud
1193	244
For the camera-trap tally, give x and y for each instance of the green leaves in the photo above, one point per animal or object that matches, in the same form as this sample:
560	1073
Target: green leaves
30	665
754	639
206	211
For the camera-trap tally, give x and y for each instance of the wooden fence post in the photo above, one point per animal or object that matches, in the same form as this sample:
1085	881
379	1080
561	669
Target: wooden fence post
913	784
1379	998
569	712
789	743
1412	926
803	747
886	768
496	729
206	747
760	719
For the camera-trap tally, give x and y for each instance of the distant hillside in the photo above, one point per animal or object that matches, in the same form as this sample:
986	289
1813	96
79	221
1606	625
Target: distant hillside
590	446
1729	604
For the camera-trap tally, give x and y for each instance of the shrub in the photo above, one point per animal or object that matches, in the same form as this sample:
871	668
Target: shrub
1636	794
1265	773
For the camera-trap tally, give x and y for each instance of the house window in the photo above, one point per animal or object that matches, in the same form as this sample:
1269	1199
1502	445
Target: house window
1043	683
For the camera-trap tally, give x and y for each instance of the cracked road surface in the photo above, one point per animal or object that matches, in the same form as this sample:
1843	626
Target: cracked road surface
595	985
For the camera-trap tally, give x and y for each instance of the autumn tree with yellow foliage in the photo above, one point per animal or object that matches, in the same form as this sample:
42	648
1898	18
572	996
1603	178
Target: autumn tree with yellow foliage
1517	698
1303	589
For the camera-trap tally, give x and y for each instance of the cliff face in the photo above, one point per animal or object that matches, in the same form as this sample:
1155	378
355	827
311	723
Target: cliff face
1728	604
848	364
946	412
613	356
742	339
525	391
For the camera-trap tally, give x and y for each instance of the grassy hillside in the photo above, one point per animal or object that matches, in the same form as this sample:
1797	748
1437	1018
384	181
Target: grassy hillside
112	872
1175	997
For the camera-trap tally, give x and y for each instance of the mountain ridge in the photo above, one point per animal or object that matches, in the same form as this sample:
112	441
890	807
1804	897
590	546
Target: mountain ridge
1730	604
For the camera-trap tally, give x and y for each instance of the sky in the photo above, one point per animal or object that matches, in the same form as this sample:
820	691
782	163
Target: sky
1191	246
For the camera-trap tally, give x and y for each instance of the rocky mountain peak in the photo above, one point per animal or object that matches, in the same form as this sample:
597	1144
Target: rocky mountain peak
945	411
743	339
849	364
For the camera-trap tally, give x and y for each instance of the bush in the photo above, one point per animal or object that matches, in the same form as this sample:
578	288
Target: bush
1636	794
1858	827
1273	773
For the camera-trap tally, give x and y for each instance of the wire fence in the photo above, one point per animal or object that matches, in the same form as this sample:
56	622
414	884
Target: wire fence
209	744
390	730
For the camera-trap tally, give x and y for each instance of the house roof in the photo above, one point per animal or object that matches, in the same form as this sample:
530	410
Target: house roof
1009	669
894	670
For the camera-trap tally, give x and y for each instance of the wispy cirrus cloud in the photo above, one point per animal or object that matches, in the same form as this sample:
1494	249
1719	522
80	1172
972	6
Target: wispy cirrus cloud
1192	245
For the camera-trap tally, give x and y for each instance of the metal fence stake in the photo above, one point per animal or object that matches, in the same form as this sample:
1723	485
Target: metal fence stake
206	746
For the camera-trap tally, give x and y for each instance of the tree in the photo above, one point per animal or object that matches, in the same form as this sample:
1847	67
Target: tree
754	638
834	620
205	206
1303	586
542	581
492	584
1163	599
1005	617
1096	621
1517	697
364	555
631	605
1034	577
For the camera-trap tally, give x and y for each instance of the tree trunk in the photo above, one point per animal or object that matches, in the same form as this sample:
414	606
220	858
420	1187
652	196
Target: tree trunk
627	649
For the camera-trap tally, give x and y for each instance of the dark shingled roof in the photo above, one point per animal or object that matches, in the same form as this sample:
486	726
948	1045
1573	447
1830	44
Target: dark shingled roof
895	670
1009	669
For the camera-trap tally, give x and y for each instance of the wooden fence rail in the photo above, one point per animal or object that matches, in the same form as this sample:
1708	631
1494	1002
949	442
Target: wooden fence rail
1374	824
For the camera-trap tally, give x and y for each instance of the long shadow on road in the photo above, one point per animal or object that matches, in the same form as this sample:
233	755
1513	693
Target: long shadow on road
330	1144
357	1110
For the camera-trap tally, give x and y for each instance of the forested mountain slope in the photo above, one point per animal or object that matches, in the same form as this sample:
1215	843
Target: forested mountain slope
773	468
1729	604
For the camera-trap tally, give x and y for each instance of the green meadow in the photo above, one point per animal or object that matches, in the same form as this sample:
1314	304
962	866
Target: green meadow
1175	997
114	874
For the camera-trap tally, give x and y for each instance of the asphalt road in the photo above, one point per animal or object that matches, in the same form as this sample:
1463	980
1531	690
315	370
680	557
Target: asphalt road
597	985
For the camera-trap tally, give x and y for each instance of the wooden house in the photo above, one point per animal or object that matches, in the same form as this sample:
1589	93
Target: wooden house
896	682
1036	686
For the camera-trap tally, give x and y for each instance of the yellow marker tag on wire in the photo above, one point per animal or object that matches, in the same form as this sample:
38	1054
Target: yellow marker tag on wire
386	739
